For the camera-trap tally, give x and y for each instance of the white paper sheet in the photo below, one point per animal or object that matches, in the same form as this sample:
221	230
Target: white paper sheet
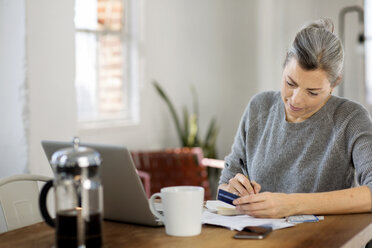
240	221
215	205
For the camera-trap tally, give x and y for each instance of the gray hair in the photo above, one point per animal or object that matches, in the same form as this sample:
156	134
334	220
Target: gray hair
317	47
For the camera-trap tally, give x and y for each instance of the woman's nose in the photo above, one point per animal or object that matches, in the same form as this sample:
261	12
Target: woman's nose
296	97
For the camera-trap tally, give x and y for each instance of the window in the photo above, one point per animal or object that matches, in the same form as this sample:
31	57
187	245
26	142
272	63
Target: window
106	70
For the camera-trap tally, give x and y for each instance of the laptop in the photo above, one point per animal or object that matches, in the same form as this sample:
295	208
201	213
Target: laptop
124	197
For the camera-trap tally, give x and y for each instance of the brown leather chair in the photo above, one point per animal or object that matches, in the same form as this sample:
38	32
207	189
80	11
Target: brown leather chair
173	167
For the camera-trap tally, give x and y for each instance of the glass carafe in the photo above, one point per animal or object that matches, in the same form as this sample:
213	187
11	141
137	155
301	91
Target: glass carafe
78	197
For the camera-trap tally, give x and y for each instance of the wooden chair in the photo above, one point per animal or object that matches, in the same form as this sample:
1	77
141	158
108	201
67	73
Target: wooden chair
19	205
173	167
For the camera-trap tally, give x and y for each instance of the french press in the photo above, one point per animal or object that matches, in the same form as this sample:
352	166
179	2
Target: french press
78	197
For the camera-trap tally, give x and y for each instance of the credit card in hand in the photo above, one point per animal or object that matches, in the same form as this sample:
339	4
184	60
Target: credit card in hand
226	196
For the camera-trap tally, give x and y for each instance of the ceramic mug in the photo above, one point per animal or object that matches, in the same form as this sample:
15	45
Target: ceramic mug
182	209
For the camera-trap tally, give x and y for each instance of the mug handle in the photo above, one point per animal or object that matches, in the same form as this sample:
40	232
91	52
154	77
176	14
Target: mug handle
42	203
152	206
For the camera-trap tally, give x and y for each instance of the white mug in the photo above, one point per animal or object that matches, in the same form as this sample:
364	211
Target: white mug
182	209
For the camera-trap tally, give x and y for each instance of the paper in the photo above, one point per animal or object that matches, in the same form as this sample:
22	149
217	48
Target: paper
240	221
216	205
221	208
158	206
304	218
237	222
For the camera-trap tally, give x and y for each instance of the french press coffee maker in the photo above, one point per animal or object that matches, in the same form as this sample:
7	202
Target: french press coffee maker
78	197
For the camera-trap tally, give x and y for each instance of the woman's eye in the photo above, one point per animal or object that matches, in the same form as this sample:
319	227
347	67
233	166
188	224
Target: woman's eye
290	84
313	94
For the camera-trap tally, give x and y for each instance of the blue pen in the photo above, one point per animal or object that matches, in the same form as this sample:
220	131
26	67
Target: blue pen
245	172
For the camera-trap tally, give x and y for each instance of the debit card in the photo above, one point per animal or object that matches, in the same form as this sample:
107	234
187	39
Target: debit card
226	196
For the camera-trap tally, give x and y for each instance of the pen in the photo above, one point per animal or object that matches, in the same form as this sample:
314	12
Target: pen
244	168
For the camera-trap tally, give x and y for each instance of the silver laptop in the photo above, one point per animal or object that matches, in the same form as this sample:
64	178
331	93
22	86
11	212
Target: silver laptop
124	197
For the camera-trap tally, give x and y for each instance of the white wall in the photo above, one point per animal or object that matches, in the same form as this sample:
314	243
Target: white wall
281	19
13	92
50	76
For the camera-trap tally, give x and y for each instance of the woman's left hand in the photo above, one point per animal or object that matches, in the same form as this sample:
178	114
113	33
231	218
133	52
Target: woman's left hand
266	205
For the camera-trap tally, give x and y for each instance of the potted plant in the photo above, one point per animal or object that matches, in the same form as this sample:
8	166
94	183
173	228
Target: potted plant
188	130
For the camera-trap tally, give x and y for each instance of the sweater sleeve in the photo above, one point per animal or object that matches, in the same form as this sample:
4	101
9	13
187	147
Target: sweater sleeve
359	131
237	156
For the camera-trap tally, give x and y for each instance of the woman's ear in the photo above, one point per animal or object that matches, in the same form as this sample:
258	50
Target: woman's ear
337	82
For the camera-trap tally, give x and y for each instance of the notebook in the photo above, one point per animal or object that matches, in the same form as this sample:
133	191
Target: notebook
124	197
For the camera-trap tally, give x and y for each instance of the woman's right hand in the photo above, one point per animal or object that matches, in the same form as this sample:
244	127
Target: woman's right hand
240	185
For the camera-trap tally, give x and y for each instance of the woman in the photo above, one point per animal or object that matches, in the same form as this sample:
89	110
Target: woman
302	146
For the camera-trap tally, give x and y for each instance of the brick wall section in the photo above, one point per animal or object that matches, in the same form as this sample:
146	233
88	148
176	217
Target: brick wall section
110	13
110	58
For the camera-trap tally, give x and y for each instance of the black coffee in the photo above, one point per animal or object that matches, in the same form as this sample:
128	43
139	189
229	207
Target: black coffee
67	226
93	231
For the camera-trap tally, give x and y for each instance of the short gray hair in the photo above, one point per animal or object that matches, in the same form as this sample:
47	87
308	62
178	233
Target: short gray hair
317	47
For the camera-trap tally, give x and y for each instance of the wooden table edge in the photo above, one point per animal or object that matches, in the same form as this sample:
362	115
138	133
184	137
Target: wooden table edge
361	239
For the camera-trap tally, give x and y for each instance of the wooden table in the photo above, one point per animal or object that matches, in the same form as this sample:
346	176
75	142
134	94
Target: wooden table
353	230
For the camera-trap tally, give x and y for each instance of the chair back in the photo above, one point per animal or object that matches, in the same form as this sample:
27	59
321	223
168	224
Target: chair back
19	205
173	167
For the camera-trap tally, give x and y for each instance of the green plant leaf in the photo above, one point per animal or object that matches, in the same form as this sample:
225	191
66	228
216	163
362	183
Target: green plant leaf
193	130
197	142
165	97
196	112
195	102
185	126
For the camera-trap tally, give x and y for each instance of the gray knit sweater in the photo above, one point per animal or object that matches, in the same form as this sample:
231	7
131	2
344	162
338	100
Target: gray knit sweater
320	154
